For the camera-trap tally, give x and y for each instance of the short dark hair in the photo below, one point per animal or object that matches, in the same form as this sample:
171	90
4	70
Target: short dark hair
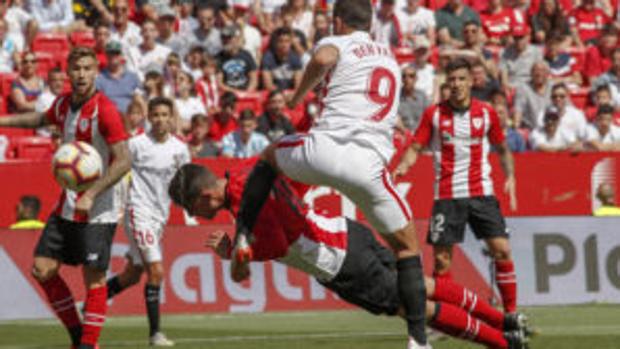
559	85
281	31
188	182
228	99
31	204
471	22
157	101
457	64
55	70
605	109
79	52
356	14
247	114
274	93
604	87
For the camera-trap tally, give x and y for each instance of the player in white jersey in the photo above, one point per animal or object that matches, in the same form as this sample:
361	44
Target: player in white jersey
81	229
348	148
156	156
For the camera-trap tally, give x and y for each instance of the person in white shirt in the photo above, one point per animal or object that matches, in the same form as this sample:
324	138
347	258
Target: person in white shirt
8	50
22	27
551	137
55	85
386	27
55	16
156	156
186	101
123	30
415	21
425	70
245	142
603	135
252	39
149	55
571	119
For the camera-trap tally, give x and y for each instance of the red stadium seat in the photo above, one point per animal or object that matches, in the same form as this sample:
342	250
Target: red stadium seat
50	42
404	55
579	97
33	148
6	80
16	132
251	100
82	39
45	62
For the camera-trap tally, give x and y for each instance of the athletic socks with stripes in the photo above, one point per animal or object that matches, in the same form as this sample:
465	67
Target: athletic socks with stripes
95	309
506	281
61	300
151	297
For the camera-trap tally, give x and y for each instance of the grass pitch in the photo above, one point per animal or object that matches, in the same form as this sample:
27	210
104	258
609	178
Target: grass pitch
579	327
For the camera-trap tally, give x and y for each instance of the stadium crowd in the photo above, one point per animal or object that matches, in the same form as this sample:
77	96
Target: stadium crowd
551	68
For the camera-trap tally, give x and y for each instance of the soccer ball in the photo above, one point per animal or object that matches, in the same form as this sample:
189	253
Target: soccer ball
76	166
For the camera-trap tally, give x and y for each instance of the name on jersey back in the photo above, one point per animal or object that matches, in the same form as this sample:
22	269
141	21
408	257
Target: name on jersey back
367	50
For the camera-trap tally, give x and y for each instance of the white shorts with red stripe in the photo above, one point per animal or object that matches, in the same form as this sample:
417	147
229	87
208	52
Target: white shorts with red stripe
144	238
353	169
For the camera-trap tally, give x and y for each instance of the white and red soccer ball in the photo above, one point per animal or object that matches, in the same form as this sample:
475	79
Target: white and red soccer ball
76	166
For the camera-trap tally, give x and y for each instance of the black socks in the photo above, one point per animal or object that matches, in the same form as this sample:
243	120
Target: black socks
412	292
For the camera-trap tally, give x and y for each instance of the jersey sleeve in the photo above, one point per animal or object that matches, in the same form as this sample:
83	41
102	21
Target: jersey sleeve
424	131
110	123
496	133
52	112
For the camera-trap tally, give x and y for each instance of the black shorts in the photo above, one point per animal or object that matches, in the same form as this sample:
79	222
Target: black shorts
76	243
367	277
450	216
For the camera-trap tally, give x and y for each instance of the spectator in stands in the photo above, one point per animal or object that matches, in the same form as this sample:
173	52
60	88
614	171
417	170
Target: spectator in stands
413	101
135	119
55	16
605	193
55	85
102	37
562	66
150	9
602	96
245	142
473	48
571	119
514	139
598	57
415	21
186	102
115	81
267	14
22	28
385	25
252	40
149	55
199	145
224	121
517	59
167	37
207	35
300	41
207	87
611	78
425	71
274	123
186	21
28	213
320	29
123	30
483	84
497	21
92	11
550	18
194	60
154	86
450	21
8	50
27	87
603	135
586	22
238	71
281	67
301	15
532	97
550	137
172	69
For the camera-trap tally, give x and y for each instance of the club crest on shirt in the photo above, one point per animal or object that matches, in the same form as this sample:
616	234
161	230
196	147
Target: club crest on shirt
84	125
477	122
446	137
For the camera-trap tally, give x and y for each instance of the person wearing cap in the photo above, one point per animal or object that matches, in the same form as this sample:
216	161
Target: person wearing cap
416	21
413	101
149	55
385	26
450	21
167	36
425	71
550	137
516	60
532	97
281	67
206	35
572	119
115	81
123	30
603	135
237	68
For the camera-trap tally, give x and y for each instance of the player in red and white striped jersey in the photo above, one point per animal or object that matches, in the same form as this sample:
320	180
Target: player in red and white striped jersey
341	254
460	132
81	229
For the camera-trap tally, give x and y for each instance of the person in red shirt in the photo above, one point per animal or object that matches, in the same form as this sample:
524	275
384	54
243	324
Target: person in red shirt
224	121
352	262
460	132
102	36
587	22
497	22
598	57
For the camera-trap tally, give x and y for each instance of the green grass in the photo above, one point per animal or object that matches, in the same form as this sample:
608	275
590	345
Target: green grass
590	327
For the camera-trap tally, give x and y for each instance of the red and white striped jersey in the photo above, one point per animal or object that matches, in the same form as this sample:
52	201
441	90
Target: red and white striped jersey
98	123
460	141
207	90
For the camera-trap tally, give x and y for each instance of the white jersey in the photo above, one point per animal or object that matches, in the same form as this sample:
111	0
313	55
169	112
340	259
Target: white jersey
153	166
359	96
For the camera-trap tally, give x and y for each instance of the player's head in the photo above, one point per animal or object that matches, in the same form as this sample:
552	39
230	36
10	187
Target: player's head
82	70
160	116
194	187
28	207
352	15
460	80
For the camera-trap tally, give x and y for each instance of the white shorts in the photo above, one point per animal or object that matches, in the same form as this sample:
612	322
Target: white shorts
144	238
356	171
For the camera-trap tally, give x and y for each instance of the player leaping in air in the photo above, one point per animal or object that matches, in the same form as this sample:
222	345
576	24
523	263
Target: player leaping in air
347	149
341	254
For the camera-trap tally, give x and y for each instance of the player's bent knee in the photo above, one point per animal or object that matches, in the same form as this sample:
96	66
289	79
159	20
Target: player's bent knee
155	273
44	269
404	241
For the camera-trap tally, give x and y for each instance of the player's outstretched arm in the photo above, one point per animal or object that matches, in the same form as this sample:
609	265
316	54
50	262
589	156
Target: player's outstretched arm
118	168
508	165
321	62
25	120
409	159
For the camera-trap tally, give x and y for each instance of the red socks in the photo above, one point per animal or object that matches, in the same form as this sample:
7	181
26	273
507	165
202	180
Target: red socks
447	291
456	322
507	284
61	300
95	309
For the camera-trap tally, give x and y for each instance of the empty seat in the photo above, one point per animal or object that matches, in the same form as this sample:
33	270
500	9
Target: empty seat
50	42
82	39
33	148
